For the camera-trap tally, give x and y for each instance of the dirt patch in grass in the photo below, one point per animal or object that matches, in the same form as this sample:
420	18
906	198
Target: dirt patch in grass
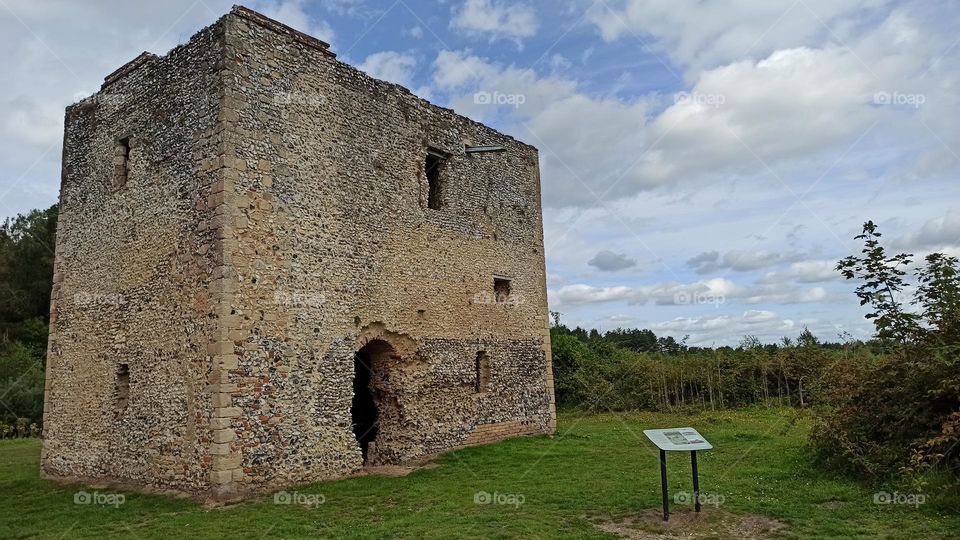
395	470
718	524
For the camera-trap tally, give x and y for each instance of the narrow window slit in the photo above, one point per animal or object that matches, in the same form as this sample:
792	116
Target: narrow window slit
482	375
122	389
121	162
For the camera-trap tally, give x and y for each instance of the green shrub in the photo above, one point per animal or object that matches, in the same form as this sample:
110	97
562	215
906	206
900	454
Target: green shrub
21	383
899	412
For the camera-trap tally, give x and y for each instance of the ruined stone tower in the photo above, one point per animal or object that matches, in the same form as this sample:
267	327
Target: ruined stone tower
272	268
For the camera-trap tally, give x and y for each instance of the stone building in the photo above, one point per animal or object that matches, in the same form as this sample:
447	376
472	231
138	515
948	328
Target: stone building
273	269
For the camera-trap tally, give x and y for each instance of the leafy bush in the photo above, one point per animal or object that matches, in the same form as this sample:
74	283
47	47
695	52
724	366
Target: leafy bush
899	412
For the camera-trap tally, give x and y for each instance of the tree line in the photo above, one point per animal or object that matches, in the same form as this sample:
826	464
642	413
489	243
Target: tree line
631	369
26	278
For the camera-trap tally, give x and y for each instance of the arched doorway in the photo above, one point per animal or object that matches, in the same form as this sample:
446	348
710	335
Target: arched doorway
364	410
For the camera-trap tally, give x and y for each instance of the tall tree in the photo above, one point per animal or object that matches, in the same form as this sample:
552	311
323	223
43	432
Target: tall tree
26	266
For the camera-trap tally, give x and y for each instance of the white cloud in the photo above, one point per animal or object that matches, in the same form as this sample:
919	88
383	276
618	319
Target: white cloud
462	73
805	272
715	292
497	20
588	294
554	279
352	8
33	122
940	232
709	291
737	260
816	294
390	66
454	70
708	330
588	146
708	34
793	108
292	13
620	320
734	116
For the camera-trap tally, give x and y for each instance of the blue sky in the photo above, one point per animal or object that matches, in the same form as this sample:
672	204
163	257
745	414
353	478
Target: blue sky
704	163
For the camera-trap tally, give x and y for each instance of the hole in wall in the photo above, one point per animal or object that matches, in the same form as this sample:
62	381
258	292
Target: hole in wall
501	289
482	375
433	166
364	413
121	389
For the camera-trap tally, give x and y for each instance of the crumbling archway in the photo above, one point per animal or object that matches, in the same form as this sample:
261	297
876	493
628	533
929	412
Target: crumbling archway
385	362
364	410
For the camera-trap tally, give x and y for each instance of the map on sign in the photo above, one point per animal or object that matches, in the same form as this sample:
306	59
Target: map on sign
677	439
684	437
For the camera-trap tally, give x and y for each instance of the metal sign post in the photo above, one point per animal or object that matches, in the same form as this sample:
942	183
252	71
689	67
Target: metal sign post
678	440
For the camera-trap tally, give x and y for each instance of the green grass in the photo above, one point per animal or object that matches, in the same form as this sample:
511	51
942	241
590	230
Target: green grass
597	467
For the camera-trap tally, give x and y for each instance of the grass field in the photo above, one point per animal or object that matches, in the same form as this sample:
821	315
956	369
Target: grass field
598	476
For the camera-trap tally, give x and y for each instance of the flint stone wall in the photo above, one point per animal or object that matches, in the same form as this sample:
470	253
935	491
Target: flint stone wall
275	221
133	276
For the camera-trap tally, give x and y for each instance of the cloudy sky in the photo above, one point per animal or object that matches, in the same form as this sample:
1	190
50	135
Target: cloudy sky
705	163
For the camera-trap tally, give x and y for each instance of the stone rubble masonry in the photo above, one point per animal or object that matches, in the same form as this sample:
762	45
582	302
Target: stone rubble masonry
268	221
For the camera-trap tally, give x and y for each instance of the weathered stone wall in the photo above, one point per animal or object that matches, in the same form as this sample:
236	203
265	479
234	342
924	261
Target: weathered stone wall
272	221
134	275
334	246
